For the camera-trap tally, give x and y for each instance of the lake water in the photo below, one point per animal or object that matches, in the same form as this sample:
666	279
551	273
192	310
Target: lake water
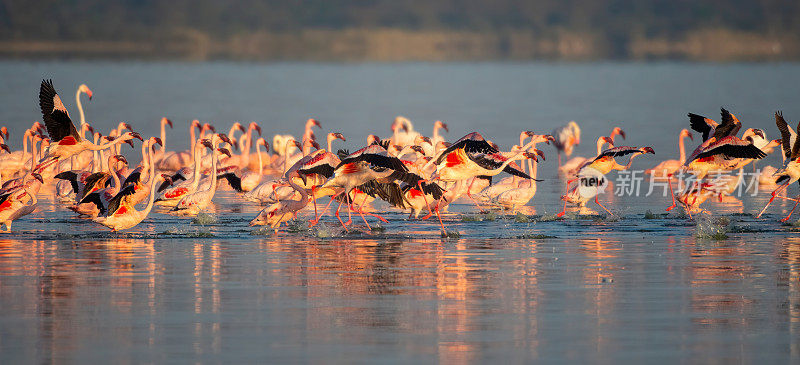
632	287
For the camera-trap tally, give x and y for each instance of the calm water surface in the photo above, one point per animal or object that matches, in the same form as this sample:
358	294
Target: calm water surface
524	288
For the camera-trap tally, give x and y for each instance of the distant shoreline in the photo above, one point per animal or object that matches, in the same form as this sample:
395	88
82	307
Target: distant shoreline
398	45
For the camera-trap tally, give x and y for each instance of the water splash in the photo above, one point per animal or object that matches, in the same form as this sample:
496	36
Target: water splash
709	227
204	219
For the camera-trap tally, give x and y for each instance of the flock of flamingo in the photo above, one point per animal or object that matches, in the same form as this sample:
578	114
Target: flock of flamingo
409	171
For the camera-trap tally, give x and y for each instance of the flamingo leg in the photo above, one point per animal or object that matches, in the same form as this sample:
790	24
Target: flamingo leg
339	218
316	219
425	198
596	200
792	211
671	193
774	194
435	207
361	210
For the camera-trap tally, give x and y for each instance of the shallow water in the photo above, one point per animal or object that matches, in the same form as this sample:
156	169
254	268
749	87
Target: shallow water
632	287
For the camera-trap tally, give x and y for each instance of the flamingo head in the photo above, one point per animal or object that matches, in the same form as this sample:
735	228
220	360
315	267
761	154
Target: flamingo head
418	149
617	131
206	142
156	141
311	122
196	124
86	90
124	126
135	135
546	138
224	151
38	127
4	132
120	158
4	147
608	140
37	176
530	155
539	153
164	120
293	142
685	133
208	127
442	125
223	138
372	139
263	142
254	125
419	139
648	150
313	143
337	135
89	128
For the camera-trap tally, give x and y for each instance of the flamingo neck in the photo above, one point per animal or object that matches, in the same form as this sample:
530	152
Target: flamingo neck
112	172
197	163
260	159
80	110
153	179
330	141
192	142
25	144
600	143
286	157
163	138
213	175
248	143
681	150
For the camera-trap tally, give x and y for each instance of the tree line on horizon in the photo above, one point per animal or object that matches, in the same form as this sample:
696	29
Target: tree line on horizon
615	23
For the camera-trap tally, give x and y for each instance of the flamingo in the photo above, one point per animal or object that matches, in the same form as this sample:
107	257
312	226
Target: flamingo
249	179
172	160
571	167
407	136
195	202
473	156
85	90
790	172
264	191
566	138
602	164
158	155
668	167
92	203
721	149
121	213
65	139
283	210
140	177
20	201
168	195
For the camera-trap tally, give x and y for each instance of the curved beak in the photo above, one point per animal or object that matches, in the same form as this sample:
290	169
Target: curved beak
4	147
759	133
224	151
255	126
540	153
297	144
158	141
446	128
418	149
690	135
121	158
126	126
90	128
314	122
530	155
210	127
137	136
196	124
37	177
206	142
648	150
169	122
314	144
340	136
265	144
620	132
225	138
